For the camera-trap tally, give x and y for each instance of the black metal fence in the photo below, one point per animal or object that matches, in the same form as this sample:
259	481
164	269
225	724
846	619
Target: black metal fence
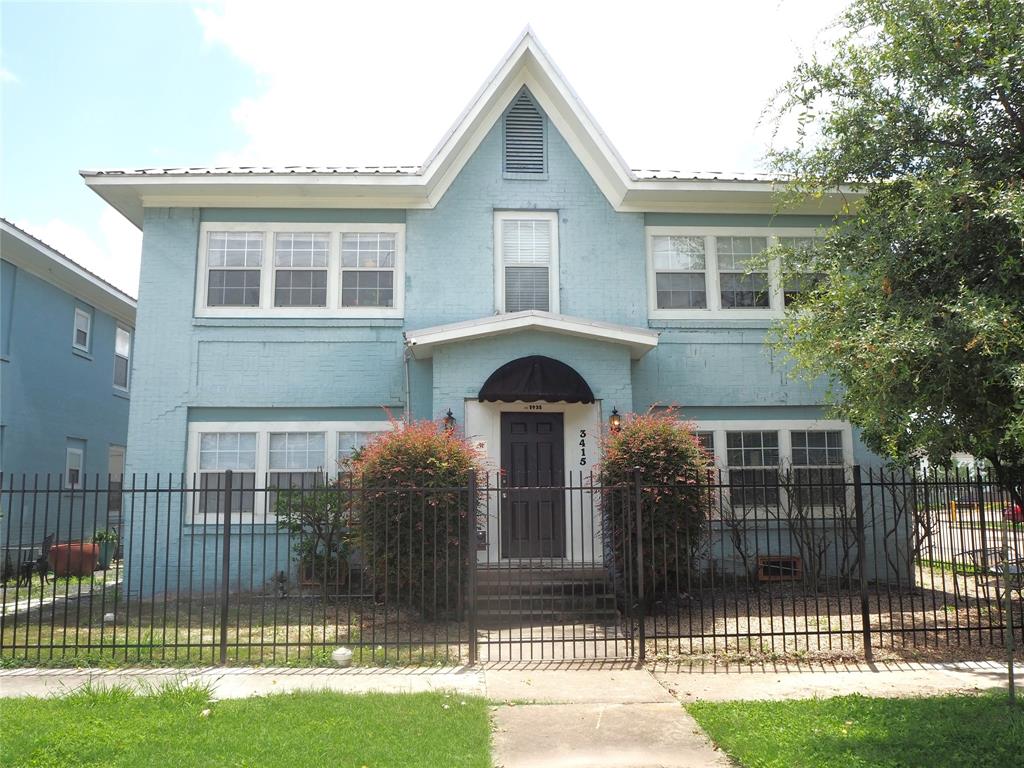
221	568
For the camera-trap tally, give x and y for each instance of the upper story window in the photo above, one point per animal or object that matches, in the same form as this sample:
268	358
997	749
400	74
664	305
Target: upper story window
524	152
122	357
301	270
82	331
526	270
74	465
797	284
712	272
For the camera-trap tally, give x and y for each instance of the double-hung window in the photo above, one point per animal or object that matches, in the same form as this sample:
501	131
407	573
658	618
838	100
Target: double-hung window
300	269
82	330
234	261
679	265
122	357
740	288
74	467
368	269
526	248
753	460
818	475
221	451
799	283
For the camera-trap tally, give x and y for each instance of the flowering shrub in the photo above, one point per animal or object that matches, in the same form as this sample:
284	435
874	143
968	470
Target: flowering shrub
675	498
411	513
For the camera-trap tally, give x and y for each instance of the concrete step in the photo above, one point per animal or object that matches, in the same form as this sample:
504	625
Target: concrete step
544	603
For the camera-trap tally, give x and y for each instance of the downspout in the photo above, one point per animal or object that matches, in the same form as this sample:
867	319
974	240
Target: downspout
407	410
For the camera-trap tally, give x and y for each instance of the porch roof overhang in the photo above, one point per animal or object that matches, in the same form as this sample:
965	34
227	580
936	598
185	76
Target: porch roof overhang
422	343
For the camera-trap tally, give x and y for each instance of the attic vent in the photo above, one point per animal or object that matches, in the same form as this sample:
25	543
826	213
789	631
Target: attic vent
524	138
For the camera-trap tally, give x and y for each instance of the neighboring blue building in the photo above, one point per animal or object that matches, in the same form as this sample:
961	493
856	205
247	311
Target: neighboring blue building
285	311
65	380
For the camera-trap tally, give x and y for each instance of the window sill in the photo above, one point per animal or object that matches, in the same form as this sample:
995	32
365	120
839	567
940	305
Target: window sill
712	321
264	321
122	393
81	353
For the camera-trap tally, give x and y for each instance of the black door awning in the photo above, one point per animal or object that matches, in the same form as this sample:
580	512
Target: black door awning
534	378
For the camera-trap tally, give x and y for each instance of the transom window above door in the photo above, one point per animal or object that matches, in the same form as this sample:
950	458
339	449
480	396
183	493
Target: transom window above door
709	272
301	270
526	261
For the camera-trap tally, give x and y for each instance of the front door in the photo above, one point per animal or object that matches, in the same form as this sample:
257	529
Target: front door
533	502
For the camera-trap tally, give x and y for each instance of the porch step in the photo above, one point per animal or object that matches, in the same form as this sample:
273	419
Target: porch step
544	595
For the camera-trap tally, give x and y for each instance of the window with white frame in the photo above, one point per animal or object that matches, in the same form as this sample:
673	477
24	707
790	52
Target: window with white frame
818	475
74	467
234	268
526	248
309	270
122	357
300	269
679	271
753	460
219	452
740	288
706	439
798	283
349	443
368	269
82	330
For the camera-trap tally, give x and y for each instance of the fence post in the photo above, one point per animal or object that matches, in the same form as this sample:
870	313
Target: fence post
980	490
639	535
225	569
471	565
865	617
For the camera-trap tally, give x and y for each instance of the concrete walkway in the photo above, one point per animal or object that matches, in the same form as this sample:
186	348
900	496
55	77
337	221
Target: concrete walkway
552	714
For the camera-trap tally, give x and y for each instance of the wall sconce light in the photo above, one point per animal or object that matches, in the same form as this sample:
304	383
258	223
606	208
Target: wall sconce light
615	422
448	421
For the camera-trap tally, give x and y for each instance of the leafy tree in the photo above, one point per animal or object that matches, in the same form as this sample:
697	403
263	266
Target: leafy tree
918	316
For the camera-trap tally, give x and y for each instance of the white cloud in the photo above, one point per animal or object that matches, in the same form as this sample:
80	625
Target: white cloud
674	85
114	255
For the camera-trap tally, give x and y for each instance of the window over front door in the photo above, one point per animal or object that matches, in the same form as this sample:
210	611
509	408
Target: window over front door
526	270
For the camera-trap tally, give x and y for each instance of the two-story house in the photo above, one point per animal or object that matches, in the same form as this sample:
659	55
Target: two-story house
65	378
523	279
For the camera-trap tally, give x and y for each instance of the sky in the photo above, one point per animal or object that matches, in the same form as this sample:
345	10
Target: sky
675	85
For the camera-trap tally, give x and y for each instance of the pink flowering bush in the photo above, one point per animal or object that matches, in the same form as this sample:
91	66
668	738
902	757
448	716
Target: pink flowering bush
411	509
674	474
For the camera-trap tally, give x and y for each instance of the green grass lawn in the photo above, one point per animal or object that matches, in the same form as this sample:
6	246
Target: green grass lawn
116	727
857	732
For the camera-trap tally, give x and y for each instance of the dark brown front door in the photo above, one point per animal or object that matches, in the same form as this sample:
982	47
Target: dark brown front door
533	517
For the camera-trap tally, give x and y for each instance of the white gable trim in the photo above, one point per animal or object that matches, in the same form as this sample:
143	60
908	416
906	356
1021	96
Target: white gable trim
422	343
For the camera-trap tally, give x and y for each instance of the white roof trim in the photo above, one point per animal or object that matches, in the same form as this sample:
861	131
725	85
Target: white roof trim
421	343
57	269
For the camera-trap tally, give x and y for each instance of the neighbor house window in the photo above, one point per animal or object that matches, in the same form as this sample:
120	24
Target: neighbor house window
753	461
221	451
739	288
300	269
797	284
74	467
818	474
526	245
234	261
122	357
368	269
83	329
679	271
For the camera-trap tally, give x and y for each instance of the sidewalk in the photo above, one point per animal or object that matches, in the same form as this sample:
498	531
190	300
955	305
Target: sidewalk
550	714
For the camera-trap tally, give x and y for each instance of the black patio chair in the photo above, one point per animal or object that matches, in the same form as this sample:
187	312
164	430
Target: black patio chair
40	565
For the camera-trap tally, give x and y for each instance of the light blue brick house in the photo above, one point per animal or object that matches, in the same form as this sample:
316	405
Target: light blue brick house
65	381
285	312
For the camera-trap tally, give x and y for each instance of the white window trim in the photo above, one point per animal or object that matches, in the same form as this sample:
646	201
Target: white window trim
266	306
88	330
128	359
711	274
263	429
499	266
68	453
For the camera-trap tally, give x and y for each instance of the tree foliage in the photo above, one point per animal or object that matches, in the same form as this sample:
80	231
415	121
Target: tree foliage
918	318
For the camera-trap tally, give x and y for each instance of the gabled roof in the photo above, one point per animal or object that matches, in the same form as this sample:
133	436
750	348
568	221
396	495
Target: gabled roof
422	343
526	64
28	252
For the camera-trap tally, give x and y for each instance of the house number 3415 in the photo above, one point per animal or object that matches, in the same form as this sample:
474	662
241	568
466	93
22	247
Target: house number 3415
583	447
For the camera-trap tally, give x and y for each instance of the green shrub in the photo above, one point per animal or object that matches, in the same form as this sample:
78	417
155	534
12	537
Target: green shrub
317	520
674	473
411	515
